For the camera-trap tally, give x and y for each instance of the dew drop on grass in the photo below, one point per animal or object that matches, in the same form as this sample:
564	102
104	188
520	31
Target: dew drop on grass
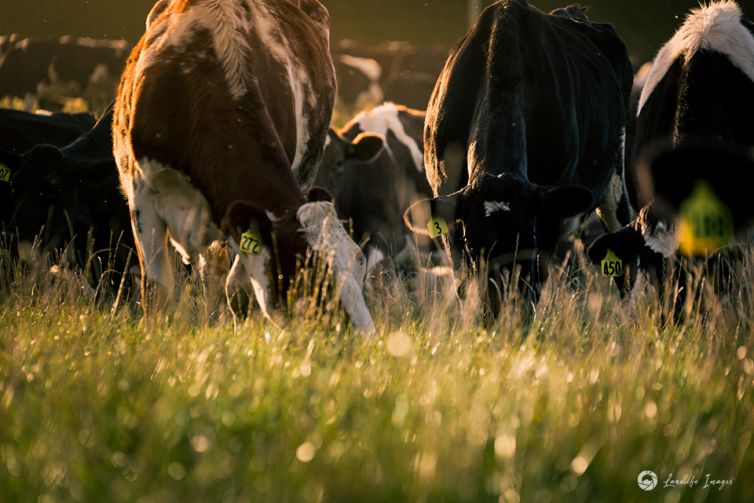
176	471
505	446
306	452
200	443
399	344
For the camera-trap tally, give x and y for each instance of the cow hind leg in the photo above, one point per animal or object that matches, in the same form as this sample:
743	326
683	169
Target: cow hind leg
151	239
193	233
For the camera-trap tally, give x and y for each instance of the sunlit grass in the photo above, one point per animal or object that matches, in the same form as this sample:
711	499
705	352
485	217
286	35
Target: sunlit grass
569	405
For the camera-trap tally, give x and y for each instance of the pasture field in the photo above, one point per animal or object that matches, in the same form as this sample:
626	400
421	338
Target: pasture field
569	402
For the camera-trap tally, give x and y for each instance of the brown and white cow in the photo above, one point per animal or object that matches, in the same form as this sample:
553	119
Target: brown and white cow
220	119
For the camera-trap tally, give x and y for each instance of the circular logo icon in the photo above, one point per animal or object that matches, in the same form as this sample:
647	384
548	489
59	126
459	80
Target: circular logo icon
647	480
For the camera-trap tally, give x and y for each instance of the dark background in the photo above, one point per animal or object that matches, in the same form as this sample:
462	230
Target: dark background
644	24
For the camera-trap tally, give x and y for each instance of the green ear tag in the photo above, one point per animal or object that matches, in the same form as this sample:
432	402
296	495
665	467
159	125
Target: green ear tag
251	242
612	266
706	223
437	227
4	173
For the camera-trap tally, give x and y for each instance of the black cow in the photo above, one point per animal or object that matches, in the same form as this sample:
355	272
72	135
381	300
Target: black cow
372	185
57	68
20	131
524	131
72	196
698	98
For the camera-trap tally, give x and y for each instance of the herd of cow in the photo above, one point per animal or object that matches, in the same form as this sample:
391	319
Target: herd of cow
219	137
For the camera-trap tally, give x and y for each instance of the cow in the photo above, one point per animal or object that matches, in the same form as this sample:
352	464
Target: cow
53	69
358	82
699	98
19	132
372	185
220	120
395	71
71	196
523	135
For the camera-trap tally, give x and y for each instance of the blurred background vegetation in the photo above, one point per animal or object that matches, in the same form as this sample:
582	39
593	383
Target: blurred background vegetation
644	24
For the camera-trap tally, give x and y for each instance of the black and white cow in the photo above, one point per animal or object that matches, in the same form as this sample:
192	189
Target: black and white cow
396	71
358	82
221	118
524	132
52	69
699	98
71	196
373	185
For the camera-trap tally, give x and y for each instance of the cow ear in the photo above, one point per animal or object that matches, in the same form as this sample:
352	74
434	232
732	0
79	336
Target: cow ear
241	216
319	195
365	147
625	243
565	201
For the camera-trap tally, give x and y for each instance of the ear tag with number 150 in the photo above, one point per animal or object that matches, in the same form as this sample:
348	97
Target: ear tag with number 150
251	242
437	227
612	265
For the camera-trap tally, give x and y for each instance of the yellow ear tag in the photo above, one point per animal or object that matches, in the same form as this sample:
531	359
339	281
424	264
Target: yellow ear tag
612	265
4	173
437	227
706	224
251	242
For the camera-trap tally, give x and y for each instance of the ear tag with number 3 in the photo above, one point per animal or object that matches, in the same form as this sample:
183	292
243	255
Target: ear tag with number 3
4	173
612	265
251	242
437	227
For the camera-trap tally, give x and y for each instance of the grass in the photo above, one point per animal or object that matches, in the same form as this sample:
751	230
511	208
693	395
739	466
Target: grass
570	405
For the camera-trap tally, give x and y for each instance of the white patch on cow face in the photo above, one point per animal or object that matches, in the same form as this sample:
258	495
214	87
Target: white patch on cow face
492	207
608	207
257	267
374	257
383	119
717	27
661	239
325	234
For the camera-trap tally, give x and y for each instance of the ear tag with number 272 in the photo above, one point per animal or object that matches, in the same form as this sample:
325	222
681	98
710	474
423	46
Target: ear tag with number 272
437	227
251	242
612	265
4	173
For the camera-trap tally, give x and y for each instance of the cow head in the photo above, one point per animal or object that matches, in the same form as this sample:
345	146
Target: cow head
285	241
363	176
647	244
496	218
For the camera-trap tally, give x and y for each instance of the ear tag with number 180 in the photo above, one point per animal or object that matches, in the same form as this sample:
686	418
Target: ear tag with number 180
437	227
612	265
251	242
